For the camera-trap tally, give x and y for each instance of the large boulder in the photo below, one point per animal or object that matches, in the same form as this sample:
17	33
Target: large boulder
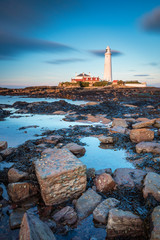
87	203
32	228
76	149
100	213
124	224
148	147
15	175
3	145
67	215
155	235
127	177
152	185
119	122
21	190
61	176
141	135
143	124
104	182
106	140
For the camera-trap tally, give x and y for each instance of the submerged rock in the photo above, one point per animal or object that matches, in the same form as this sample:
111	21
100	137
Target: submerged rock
87	203
100	213
104	182
148	147
15	175
124	224
104	139
152	185
155	235
61	176
66	215
32	228
141	135
76	149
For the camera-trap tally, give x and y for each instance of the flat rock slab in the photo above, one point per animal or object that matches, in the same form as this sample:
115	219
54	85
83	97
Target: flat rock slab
3	145
119	122
21	190
152	185
32	228
15	175
100	213
67	215
143	124
148	147
141	135
76	149
61	176
155	235
123	224
87	203
15	218
106	140
127	177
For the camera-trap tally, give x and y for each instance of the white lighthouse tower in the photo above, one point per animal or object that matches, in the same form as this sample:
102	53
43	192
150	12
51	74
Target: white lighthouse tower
108	65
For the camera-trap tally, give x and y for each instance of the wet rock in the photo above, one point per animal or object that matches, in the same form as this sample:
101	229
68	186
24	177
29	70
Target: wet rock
3	145
152	185
76	149
61	176
98	118
15	175
124	224
1	158
157	124
104	139
53	139
5	153
100	213
119	122
1	192
59	113
90	173
121	130
159	132
15	218
51	224
148	147
155	235
143	124
87	203
104	183
21	190
32	228
106	170
141	135
127	177
66	215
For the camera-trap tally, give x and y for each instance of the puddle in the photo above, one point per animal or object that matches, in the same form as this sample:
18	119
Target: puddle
100	158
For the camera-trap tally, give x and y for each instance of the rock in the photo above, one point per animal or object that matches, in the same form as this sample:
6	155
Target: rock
104	139
124	224
1	192
61	176
127	177
53	139
21	190
157	124
3	145
98	118
90	173
76	149
1	158
14	175
143	124
67	215
155	235
32	228
106	170
5	153
152	185
100	213
87	203
15	218
119	122
59	113
141	135
148	147
104	182
159	132
121	130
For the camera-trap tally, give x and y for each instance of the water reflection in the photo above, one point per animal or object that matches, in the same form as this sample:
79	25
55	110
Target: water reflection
99	157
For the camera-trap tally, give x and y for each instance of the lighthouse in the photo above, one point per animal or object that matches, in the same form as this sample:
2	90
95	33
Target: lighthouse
108	65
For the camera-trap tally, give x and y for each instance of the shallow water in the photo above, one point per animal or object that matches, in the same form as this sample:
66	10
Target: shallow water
100	158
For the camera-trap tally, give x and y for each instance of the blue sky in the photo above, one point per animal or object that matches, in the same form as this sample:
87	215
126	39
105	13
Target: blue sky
45	42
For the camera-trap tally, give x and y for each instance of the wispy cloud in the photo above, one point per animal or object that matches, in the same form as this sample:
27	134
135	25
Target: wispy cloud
153	64
141	75
100	53
11	46
151	21
64	61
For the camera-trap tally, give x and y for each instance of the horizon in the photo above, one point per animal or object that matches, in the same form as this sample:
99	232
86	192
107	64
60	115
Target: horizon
44	43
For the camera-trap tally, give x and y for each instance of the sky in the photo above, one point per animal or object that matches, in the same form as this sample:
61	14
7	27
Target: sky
44	42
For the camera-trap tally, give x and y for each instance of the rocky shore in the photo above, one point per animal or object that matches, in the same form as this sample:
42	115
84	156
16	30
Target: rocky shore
50	188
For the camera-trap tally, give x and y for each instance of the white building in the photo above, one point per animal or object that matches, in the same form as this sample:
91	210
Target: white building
108	65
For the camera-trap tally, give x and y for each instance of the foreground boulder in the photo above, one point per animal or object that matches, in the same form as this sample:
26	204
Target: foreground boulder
67	215
76	149
32	228
152	185
155	235
3	145
21	190
148	147
124	224
61	176
106	140
87	203
100	213
104	182
143	124
15	175
141	135
127	177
